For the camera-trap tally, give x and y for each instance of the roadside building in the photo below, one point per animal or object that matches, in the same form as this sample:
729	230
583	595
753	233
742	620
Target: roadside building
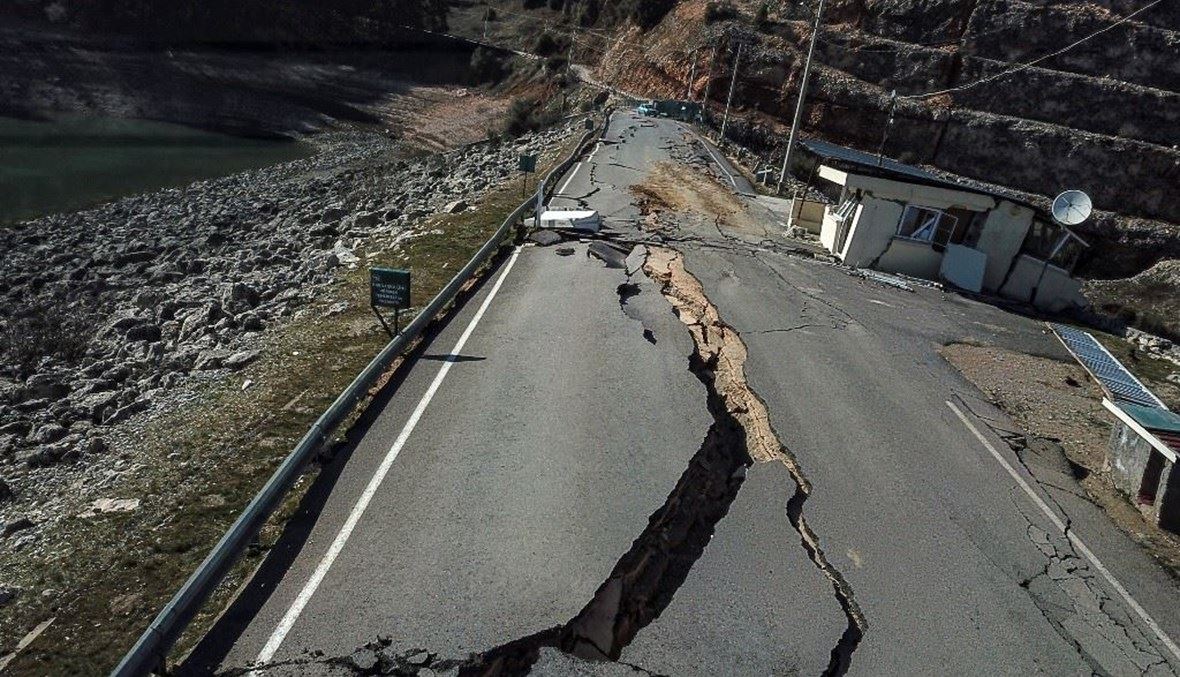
1144	446
903	219
1145	439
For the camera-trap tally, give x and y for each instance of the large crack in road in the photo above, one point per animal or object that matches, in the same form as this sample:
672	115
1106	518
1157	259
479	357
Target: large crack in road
719	361
646	578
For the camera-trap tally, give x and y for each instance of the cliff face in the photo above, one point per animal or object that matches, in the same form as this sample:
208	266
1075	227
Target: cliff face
1103	117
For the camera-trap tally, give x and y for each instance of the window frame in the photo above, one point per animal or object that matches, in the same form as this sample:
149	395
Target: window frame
933	227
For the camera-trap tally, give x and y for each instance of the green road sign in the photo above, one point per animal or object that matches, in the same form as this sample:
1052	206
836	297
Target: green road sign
389	288
528	163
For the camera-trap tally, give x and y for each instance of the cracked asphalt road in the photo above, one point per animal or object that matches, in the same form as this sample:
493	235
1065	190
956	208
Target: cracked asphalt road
571	417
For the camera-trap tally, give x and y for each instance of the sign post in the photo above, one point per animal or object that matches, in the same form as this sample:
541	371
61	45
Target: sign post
526	164
389	288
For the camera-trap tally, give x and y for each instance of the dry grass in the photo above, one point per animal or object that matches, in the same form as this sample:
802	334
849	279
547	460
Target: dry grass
196	467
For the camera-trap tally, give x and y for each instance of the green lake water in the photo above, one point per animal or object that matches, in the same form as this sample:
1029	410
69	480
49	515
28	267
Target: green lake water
70	164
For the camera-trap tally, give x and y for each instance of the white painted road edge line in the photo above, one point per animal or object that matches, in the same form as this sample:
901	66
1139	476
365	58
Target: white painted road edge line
309	588
561	191
712	155
716	160
1073	538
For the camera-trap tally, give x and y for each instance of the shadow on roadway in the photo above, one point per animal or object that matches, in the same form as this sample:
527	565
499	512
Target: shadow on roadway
211	651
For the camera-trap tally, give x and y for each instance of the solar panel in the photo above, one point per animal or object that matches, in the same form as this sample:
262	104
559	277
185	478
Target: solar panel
1114	377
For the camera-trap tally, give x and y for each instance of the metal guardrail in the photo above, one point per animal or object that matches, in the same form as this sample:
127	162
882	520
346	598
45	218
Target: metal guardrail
151	649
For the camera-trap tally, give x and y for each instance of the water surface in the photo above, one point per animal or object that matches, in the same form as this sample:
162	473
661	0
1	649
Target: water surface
70	164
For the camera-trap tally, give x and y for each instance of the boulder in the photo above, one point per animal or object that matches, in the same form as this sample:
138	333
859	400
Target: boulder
48	433
143	332
123	413
95	406
45	386
455	207
240	359
210	359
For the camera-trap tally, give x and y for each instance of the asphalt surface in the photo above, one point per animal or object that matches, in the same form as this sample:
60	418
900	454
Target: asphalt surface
570	416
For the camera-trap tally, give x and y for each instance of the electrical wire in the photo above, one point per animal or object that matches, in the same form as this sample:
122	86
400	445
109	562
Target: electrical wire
1034	62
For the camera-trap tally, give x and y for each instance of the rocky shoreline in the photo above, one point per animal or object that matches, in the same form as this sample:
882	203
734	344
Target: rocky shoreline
106	312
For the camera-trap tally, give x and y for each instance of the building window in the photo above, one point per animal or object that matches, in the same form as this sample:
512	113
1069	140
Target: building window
1041	240
846	209
927	225
1050	242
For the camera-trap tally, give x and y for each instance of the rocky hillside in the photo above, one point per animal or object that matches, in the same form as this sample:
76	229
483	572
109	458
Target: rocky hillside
1103	116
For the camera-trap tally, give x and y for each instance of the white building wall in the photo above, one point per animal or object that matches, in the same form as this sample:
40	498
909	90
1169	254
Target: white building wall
1055	289
874	227
1003	233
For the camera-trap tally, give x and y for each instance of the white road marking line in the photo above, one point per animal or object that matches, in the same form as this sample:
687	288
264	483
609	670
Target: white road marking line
1073	538
561	191
711	154
26	641
309	588
718	162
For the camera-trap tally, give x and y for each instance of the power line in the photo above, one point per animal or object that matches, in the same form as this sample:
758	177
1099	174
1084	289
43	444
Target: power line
1034	62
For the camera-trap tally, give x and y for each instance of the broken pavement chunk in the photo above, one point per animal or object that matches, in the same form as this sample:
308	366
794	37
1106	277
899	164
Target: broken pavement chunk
545	237
612	257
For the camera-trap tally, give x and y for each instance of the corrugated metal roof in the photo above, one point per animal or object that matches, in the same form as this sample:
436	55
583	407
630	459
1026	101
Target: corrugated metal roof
1119	383
834	152
1154	418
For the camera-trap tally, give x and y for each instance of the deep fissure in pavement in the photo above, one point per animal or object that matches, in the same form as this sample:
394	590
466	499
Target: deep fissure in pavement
646	578
721	348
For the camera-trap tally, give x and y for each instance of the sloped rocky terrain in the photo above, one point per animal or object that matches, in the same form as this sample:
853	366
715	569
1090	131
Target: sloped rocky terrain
1103	116
105	311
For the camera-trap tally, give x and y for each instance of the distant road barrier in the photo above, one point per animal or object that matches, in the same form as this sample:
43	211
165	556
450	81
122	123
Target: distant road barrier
151	649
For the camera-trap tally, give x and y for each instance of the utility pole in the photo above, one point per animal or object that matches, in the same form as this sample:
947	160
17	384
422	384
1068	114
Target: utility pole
691	78
709	79
888	126
732	85
819	13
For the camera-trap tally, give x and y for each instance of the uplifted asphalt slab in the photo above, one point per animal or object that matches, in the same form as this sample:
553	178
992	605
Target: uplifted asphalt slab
753	604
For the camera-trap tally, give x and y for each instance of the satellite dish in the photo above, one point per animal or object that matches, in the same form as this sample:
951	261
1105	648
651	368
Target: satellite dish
1071	207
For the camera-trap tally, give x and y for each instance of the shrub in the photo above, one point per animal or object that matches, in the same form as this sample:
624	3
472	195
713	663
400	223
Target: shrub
762	16
546	45
46	328
648	13
526	115
556	64
486	66
720	11
588	14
